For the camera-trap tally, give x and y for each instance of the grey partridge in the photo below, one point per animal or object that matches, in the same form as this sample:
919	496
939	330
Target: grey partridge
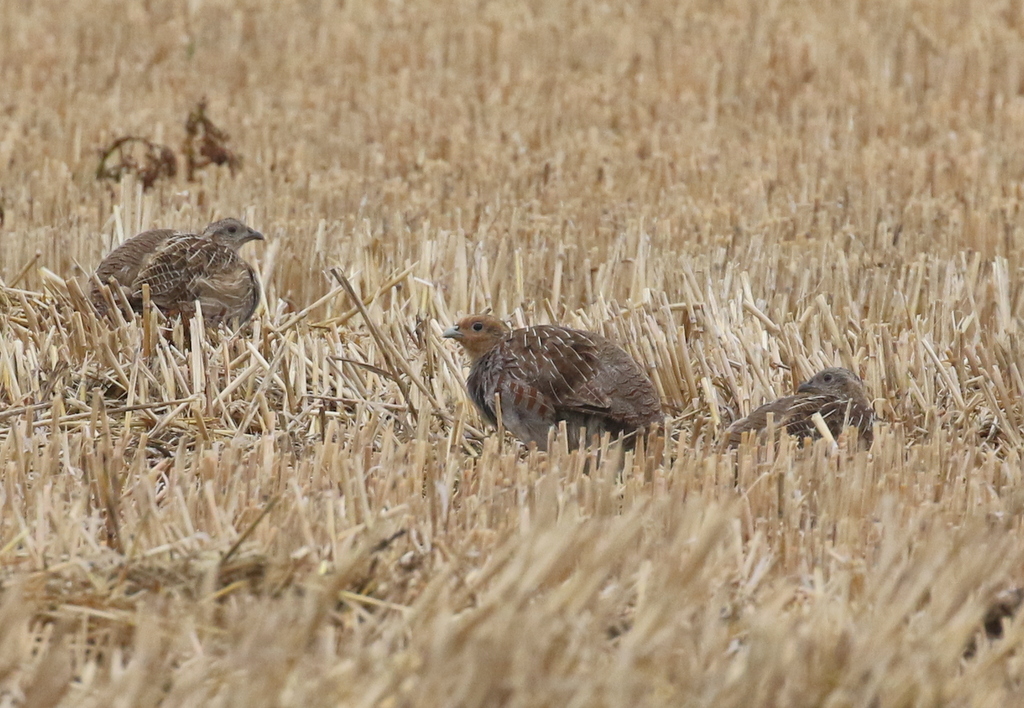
837	394
180	268
546	374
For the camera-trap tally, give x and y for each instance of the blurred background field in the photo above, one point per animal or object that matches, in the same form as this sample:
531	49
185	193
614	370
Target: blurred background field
311	513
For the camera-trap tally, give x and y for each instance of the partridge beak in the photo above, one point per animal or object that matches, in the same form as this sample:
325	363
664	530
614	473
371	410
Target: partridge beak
805	387
452	332
255	235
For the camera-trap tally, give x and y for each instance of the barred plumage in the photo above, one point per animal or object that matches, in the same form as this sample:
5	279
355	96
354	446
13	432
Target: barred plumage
837	394
546	374
124	263
190	268
180	268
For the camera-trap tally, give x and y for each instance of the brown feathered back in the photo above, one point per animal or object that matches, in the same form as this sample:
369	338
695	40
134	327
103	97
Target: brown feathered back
546	374
189	268
124	263
837	394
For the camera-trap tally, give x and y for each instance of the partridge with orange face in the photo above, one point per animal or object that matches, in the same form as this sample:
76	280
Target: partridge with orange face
837	394
546	374
181	268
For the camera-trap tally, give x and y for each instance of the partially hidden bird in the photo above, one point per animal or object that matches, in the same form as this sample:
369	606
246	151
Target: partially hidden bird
182	268
837	394
546	374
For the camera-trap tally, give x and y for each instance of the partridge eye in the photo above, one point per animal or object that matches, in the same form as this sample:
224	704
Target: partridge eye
478	326
827	378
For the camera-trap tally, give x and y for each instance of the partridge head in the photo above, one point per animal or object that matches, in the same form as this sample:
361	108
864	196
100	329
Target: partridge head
478	334
231	233
834	381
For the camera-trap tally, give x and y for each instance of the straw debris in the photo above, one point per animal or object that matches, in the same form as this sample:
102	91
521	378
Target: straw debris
311	512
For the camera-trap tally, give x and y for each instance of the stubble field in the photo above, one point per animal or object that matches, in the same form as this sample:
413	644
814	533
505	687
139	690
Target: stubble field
310	512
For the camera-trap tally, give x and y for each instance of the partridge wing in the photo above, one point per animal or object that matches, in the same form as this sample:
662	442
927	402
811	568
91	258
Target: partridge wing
840	412
176	268
563	365
782	410
798	417
124	262
546	374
